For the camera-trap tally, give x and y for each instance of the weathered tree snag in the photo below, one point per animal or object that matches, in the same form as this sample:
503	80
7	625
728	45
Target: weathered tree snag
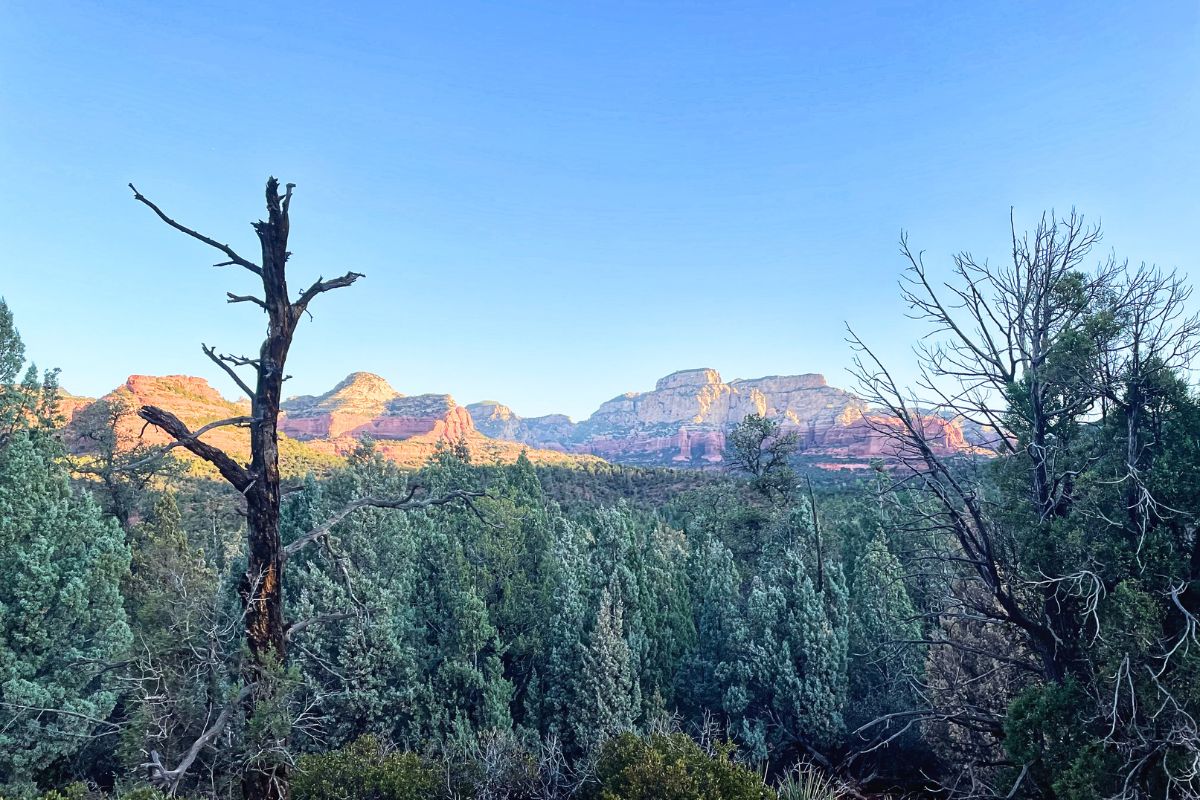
261	586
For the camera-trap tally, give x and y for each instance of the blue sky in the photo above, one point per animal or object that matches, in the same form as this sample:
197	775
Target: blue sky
558	201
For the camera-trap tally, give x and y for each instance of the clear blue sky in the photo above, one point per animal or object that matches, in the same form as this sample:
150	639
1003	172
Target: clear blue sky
558	201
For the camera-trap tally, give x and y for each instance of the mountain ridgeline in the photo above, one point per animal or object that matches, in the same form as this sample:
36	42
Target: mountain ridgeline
684	419
682	422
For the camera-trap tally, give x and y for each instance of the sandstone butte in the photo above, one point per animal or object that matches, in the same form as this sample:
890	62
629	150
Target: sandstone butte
684	419
316	432
682	422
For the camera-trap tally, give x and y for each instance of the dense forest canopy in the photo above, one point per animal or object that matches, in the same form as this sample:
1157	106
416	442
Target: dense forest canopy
1018	625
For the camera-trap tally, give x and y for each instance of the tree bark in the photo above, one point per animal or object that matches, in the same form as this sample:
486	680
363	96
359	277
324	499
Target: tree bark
261	587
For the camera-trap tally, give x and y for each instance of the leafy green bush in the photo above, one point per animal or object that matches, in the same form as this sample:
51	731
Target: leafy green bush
673	767
364	770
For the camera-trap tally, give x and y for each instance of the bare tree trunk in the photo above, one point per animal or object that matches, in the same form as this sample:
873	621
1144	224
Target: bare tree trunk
262	585
266	631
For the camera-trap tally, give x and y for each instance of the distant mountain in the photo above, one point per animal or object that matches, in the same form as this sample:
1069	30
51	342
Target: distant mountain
315	431
684	419
682	422
195	403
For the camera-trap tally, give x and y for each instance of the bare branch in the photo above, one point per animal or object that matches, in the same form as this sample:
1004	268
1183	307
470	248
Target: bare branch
319	287
234	258
406	503
170	778
245	298
233	472
238	422
220	361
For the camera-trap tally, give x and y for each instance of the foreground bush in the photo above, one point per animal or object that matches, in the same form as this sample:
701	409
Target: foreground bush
807	782
673	767
364	770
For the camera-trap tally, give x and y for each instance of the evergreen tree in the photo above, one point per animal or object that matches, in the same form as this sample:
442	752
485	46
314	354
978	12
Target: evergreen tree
883	667
183	614
61	618
562	668
361	668
610	694
715	674
797	654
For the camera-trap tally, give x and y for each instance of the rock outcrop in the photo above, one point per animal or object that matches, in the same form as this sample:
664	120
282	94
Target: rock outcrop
684	419
406	429
682	422
195	402
365	405
315	432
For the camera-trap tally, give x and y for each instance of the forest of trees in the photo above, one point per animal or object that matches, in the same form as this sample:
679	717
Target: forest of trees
1021	624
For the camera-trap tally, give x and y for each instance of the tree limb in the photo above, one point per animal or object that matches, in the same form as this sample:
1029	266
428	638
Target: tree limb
320	286
216	358
234	258
170	424
245	298
406	503
170	778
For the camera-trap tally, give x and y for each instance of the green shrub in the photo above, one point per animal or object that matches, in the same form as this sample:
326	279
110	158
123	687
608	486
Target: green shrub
364	770
673	767
74	791
144	793
808	782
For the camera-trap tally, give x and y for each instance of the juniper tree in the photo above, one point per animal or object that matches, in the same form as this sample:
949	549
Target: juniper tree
1069	564
609	696
797	656
761	448
884	668
62	622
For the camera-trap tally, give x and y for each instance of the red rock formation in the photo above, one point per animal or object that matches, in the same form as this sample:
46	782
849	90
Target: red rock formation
317	430
683	421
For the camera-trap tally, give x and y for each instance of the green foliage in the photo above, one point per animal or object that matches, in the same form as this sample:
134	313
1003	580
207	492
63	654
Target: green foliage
807	782
145	793
61	615
28	401
184	618
883	668
1048	730
759	447
672	767
364	770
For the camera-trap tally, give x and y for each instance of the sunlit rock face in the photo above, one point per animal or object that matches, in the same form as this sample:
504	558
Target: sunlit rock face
365	405
316	431
683	421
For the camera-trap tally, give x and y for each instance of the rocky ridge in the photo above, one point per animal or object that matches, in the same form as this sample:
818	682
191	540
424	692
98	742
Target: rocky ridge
681	422
315	432
684	419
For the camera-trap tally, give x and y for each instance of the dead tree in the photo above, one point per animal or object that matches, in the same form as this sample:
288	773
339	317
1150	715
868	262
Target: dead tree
261	587
1046	351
